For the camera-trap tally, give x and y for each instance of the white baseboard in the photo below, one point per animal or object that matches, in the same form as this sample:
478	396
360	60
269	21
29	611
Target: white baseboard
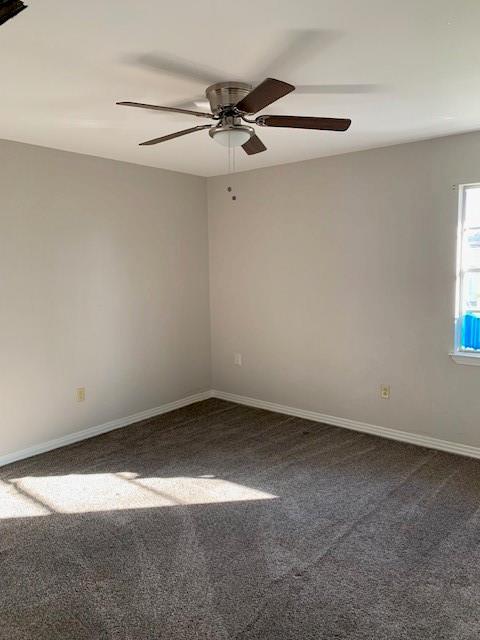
101	428
354	425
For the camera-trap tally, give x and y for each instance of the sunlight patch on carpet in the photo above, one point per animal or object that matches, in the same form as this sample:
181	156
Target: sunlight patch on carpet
14	504
84	493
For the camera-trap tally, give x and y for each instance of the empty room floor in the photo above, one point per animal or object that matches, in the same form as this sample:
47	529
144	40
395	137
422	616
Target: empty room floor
226	522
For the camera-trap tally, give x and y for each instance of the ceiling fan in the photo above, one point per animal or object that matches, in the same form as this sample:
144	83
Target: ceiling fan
232	102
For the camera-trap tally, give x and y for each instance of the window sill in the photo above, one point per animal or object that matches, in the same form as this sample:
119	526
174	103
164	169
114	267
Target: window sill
464	357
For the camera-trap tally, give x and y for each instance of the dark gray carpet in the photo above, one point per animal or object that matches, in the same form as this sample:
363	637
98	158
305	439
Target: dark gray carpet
366	538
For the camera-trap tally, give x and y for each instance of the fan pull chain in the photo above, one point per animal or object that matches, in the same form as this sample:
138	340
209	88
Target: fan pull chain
231	166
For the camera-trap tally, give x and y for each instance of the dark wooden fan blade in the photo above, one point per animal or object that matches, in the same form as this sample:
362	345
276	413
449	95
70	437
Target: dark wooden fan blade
254	145
267	92
9	9
141	105
305	122
177	134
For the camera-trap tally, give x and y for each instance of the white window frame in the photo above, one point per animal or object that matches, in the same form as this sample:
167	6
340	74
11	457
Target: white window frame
459	355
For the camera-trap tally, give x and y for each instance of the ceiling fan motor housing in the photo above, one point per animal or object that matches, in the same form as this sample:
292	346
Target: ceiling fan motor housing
226	94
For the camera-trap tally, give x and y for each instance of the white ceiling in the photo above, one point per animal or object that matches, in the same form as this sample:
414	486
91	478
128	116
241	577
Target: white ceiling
64	64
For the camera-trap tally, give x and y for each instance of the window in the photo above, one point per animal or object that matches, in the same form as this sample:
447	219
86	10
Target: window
467	324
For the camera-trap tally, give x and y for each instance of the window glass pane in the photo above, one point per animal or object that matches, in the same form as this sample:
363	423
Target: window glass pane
471	249
471	332
471	292
469	336
472	207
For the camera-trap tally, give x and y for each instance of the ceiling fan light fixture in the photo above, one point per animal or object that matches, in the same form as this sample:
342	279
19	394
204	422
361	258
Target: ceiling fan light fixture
233	136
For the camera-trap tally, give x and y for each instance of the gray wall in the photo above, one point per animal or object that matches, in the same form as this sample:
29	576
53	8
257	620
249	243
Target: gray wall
335	275
103	284
330	277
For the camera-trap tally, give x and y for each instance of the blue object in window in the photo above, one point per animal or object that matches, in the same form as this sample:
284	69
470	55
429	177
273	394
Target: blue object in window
471	332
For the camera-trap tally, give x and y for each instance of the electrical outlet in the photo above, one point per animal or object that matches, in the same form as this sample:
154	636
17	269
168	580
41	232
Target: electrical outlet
237	359
385	391
81	394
